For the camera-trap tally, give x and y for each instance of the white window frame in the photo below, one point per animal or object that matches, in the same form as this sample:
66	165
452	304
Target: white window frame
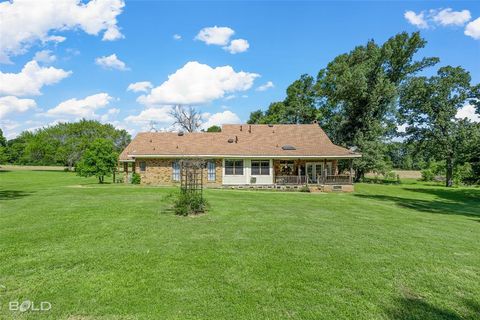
234	168
175	170
260	167
211	170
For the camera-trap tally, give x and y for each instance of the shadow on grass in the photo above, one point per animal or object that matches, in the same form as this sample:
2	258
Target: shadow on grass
409	308
13	194
448	201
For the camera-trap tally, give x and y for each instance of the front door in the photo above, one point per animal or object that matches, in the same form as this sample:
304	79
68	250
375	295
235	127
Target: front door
314	169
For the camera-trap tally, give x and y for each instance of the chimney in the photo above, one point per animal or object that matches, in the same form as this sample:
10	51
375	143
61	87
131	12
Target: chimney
240	127
250	129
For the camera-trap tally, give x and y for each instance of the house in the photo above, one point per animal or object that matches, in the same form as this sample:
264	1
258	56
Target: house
244	155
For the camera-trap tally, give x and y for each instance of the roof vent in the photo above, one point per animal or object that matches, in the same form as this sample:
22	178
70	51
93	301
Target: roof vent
230	140
288	147
270	125
181	133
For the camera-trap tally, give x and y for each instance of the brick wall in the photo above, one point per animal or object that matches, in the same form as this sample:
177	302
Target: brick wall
159	172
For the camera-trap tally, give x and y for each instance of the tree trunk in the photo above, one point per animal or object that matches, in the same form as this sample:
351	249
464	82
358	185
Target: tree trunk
359	175
100	179
449	165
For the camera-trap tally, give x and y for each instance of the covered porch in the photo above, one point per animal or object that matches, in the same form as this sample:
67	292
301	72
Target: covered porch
311	172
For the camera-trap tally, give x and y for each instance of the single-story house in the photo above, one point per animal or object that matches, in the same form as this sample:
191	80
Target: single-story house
243	155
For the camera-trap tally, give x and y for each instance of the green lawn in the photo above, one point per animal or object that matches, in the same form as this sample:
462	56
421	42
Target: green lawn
116	252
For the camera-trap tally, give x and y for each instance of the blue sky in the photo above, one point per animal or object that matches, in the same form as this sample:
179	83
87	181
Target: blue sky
80	64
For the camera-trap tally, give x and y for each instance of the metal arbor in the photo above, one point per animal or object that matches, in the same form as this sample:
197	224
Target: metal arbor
191	175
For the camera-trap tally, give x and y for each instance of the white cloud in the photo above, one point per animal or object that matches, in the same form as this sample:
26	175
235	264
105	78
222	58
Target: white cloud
473	29
266	86
160	114
468	111
217	119
25	22
111	62
30	80
11	104
177	37
142	86
83	108
447	17
237	46
230	97
111	113
45	56
417	20
215	35
197	83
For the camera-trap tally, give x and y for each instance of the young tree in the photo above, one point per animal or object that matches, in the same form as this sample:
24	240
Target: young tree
99	160
429	107
187	117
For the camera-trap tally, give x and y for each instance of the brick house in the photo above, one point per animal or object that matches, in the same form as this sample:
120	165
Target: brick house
243	155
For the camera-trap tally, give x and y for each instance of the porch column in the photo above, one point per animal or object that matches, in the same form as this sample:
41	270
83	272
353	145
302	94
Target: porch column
351	170
125	171
299	180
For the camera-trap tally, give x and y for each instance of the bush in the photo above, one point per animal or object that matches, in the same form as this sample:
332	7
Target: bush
136	178
187	203
428	175
304	189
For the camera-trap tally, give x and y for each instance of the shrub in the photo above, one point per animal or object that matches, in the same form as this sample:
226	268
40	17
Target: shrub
428	175
136	178
187	203
304	189
390	175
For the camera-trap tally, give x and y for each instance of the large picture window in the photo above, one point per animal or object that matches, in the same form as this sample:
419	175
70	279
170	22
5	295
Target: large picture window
175	171
211	176
260	167
234	167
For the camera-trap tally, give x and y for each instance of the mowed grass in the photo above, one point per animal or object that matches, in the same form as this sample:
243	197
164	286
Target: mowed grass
117	252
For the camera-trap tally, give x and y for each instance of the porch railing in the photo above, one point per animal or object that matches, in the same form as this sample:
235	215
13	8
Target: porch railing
321	179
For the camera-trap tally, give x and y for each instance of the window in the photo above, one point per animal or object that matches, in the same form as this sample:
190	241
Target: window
175	171
234	167
143	166
211	170
260	167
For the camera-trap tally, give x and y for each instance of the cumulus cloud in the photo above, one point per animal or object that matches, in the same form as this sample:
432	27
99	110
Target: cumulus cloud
81	108
11	104
111	62
440	17
141	86
30	80
447	17
217	119
25	22
197	83
468	111
215	35
45	56
237	46
266	86
415	19
177	37
473	29
158	114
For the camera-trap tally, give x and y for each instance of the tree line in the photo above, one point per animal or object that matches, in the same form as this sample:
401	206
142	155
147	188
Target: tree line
363	96
62	144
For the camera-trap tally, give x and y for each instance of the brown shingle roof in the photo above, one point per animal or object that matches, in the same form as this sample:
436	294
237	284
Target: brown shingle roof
309	140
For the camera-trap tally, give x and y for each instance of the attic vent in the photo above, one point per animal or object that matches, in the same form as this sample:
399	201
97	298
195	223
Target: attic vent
288	147
270	125
180	133
230	140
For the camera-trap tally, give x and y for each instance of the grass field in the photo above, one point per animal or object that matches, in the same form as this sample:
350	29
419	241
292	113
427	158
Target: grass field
407	251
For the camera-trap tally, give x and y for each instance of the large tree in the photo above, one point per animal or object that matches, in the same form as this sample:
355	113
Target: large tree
358	95
99	160
429	106
299	105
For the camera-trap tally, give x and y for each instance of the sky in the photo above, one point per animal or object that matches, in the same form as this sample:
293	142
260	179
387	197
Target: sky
127	62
